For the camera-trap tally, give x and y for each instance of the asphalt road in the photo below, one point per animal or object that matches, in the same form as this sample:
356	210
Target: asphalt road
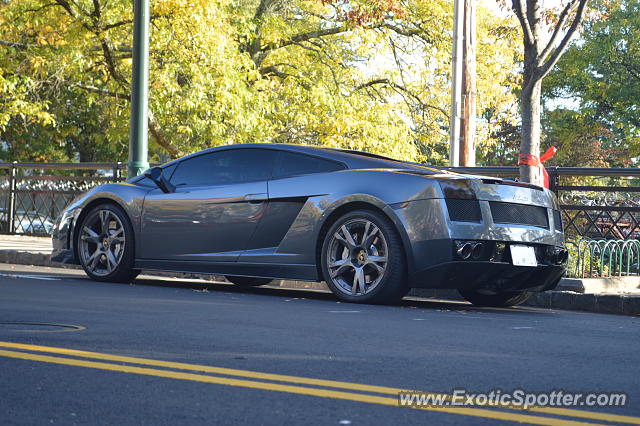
183	352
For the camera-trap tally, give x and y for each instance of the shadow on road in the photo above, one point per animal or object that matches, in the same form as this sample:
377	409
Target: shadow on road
283	292
313	294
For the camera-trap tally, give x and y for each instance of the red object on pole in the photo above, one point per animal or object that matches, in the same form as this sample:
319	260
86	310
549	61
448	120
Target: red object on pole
534	161
548	154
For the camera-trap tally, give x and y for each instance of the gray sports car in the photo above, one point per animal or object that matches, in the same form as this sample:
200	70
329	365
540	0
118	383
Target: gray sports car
370	226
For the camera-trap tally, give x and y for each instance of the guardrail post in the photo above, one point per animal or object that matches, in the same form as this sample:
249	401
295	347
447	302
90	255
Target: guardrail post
117	172
554	179
12	199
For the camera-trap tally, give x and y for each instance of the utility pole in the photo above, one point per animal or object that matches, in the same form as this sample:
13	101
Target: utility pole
138	138
467	142
456	85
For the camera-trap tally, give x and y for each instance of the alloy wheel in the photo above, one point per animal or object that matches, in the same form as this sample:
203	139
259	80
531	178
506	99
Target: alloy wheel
102	242
357	257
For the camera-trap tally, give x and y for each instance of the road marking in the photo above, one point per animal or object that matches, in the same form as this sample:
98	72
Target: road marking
591	415
31	277
344	312
323	393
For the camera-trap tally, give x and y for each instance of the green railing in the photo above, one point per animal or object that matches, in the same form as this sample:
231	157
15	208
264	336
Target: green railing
603	258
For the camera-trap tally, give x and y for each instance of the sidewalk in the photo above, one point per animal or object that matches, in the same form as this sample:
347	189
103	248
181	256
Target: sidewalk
602	295
24	243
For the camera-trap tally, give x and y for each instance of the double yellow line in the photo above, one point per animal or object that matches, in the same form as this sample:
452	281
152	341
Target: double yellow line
290	384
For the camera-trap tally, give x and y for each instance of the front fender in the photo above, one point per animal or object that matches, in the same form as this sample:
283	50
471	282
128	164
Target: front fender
127	196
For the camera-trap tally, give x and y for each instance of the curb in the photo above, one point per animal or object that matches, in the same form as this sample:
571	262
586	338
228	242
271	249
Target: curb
608	285
620	304
19	257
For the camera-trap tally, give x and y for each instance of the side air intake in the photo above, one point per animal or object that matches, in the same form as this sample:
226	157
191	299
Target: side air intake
464	210
519	214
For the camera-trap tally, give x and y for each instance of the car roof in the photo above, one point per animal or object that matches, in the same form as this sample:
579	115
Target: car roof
353	159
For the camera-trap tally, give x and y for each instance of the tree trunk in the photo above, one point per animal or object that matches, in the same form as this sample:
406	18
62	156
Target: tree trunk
530	104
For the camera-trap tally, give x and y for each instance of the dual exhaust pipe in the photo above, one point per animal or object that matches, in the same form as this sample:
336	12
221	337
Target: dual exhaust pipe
470	250
560	256
475	250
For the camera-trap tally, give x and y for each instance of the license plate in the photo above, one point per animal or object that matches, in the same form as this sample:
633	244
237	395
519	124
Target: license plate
523	255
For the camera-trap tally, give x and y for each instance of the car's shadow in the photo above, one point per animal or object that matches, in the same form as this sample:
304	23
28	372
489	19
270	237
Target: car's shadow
290	293
315	294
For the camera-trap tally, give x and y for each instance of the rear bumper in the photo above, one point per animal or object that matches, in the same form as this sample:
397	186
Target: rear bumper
498	276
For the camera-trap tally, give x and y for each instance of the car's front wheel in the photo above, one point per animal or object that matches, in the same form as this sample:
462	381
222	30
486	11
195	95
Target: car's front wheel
363	259
494	299
105	245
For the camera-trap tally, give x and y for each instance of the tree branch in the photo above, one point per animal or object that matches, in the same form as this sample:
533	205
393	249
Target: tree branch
119	24
154	126
524	22
400	30
158	135
557	30
577	20
404	90
41	8
67	7
273	70
262	8
16	44
96	9
298	38
101	91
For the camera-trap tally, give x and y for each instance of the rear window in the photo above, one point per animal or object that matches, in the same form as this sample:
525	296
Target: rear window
291	164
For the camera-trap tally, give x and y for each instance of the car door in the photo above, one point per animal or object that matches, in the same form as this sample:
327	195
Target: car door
296	178
219	200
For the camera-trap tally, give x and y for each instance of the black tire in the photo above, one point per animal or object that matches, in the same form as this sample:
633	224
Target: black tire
388	286
496	300
123	272
247	281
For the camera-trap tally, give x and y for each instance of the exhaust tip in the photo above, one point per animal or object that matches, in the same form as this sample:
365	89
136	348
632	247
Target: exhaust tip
560	256
563	256
477	251
465	250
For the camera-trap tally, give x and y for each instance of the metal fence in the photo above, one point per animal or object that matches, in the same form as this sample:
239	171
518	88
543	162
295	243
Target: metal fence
597	204
32	195
603	258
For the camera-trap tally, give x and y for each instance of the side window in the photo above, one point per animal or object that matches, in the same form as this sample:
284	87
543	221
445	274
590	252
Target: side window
225	167
291	164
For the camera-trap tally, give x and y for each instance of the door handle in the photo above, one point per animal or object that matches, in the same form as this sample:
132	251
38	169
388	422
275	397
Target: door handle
256	198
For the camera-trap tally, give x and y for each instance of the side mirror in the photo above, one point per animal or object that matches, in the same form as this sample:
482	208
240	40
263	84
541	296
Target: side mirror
155	174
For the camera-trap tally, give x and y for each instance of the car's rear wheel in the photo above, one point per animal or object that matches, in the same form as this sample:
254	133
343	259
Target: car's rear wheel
362	259
494	299
105	245
247	281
